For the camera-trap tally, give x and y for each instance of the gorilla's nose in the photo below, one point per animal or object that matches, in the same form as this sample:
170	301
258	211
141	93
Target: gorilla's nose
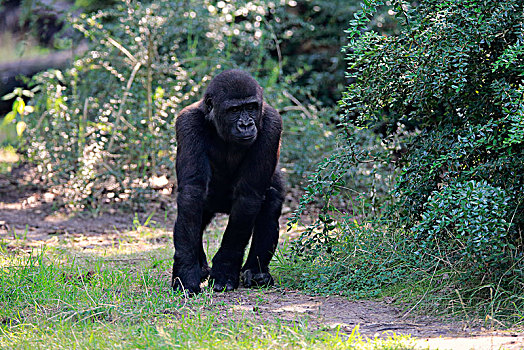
244	125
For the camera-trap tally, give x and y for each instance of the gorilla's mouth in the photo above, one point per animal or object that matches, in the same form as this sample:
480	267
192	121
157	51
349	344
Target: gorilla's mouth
246	139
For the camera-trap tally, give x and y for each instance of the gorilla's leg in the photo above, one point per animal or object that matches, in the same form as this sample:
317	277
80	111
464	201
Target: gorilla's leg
227	262
264	242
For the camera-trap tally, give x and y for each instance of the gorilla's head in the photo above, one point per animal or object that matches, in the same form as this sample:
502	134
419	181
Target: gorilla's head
234	103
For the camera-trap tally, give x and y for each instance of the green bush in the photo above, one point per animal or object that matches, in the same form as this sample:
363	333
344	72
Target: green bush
468	218
103	129
454	75
353	183
445	92
311	33
106	124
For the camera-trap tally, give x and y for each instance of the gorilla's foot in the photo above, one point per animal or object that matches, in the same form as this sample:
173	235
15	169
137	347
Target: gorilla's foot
187	281
252	279
223	281
225	270
227	286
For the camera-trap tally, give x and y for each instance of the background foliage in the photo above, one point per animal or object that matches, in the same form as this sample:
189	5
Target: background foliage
103	129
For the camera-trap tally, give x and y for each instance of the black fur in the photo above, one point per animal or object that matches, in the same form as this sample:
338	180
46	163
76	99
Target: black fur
228	148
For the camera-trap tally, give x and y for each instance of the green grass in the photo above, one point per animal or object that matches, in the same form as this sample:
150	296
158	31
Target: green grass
118	296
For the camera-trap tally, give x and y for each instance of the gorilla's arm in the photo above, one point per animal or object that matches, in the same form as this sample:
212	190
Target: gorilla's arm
193	176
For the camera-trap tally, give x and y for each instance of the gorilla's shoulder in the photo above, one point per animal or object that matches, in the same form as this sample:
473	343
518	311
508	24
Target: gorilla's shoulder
194	110
191	116
272	117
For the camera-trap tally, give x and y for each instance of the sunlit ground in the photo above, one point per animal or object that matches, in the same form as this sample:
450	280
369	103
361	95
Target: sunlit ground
100	291
115	291
8	157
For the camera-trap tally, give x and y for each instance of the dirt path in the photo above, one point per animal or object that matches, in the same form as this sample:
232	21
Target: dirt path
27	221
372	317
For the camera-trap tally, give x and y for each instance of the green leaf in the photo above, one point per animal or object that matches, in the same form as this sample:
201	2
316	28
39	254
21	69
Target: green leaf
20	127
9	117
9	96
20	106
28	93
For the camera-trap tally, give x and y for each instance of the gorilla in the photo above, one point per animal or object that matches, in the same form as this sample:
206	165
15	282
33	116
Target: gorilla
228	146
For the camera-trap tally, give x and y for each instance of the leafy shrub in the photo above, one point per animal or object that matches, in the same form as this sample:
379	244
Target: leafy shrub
106	124
103	129
448	87
308	135
453	74
351	184
468	218
310	34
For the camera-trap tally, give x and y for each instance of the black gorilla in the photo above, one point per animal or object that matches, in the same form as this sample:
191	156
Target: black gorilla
228	149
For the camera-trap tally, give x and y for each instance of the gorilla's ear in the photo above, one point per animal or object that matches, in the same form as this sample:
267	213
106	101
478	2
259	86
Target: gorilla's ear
209	105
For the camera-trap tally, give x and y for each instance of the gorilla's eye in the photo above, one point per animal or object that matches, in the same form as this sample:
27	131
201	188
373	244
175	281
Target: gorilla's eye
250	107
235	109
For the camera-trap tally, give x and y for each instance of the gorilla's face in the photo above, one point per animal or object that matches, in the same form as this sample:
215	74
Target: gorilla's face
242	120
234	104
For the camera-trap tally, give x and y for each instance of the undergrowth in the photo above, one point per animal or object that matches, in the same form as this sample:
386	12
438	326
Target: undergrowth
369	260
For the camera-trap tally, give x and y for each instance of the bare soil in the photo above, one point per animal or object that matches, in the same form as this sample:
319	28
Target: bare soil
28	212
